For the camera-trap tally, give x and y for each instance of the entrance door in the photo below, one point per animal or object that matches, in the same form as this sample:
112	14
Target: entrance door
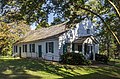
20	52
40	50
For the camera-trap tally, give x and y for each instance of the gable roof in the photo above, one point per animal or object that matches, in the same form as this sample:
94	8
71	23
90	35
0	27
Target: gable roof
83	38
43	33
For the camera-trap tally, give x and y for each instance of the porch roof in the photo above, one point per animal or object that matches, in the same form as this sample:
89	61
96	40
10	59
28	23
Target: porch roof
81	39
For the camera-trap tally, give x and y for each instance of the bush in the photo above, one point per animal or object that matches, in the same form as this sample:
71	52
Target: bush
88	62
101	58
74	59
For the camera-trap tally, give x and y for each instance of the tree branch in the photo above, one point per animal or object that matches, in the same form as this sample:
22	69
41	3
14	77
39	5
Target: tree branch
114	7
108	27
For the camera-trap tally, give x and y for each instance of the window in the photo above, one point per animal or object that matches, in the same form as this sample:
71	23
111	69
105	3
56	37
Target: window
33	48
15	49
30	47
50	47
88	31
25	48
80	48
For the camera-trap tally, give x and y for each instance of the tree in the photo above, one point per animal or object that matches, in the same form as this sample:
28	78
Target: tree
42	24
28	10
72	10
108	44
56	21
9	33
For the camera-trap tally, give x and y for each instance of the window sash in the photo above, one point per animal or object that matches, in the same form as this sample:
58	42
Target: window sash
15	49
25	48
33	48
50	47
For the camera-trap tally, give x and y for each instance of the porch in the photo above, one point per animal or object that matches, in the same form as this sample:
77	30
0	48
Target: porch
85	46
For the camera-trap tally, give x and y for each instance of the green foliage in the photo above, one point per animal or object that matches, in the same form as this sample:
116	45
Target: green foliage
101	58
57	21
28	10
9	33
74	59
42	24
37	11
108	45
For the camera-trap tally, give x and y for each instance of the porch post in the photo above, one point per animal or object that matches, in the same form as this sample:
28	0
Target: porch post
71	47
90	51
93	51
83	48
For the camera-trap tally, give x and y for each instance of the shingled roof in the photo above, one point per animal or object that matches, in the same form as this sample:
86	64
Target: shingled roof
43	33
83	38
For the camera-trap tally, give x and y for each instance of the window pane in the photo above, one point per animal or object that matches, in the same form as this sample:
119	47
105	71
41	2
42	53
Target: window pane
16	49
51	47
80	48
33	47
26	48
30	48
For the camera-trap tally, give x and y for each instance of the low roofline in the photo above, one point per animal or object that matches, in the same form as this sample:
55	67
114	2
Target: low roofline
50	37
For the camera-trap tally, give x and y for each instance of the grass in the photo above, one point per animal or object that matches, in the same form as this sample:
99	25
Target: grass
115	62
11	68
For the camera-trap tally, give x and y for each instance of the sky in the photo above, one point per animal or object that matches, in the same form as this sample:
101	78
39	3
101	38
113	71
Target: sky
50	19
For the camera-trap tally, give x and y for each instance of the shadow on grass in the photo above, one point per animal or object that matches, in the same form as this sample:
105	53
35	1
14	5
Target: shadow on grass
18	69
90	76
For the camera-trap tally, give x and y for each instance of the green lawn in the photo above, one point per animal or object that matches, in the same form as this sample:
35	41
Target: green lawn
11	68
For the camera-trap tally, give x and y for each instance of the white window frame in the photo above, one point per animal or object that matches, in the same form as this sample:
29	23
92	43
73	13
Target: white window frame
48	50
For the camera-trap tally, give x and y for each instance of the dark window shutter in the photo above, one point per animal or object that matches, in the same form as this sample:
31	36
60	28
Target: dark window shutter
46	47
30	48
16	49
52	47
26	48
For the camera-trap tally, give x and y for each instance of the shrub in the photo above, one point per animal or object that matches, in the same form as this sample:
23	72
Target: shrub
101	58
74	59
88	62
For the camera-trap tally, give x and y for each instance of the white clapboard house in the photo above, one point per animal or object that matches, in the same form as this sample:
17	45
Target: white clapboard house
50	43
